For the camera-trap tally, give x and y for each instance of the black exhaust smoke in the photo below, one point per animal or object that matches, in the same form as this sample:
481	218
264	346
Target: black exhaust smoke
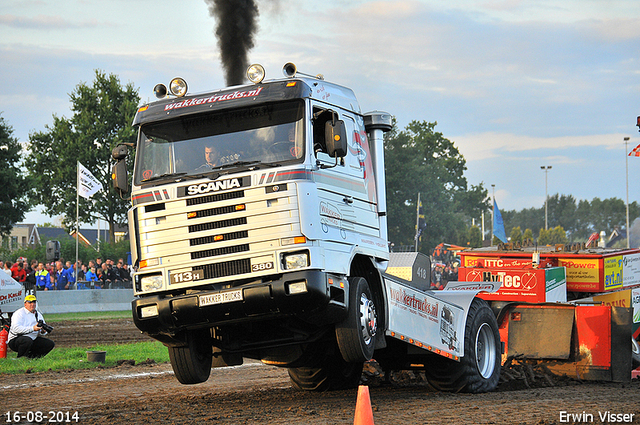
237	24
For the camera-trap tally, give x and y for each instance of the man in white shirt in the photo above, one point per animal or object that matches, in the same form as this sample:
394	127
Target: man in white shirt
25	336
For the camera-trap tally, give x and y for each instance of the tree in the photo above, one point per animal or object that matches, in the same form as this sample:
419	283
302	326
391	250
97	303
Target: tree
516	235
475	237
15	186
557	235
527	235
102	117
528	218
562	212
579	219
420	160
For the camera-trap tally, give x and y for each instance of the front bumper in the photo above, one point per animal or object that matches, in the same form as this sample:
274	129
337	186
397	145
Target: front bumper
176	313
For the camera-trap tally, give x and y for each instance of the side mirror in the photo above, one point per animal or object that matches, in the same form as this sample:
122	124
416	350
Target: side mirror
120	152
119	170
335	138
119	176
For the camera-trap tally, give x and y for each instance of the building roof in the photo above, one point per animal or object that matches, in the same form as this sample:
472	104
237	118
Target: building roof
39	235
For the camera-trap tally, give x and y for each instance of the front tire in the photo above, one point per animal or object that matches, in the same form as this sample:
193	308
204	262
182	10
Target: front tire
356	335
479	370
192	363
333	373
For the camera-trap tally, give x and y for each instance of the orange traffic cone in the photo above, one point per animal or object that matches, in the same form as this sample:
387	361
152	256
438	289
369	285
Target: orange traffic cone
364	413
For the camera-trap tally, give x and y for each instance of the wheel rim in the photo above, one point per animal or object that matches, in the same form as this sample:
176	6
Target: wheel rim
368	319
485	351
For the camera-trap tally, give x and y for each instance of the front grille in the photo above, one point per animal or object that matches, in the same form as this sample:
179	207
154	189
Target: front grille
219	238
228	268
215	198
218	211
217	224
219	251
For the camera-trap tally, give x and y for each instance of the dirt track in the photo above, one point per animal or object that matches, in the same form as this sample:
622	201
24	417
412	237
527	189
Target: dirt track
253	393
85	333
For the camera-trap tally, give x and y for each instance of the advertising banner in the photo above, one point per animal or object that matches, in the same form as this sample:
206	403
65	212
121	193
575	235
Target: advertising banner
613	272
529	285
583	274
425	319
628	298
493	262
556	284
635	301
631	270
11	293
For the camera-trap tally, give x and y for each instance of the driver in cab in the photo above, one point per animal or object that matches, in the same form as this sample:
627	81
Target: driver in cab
213	158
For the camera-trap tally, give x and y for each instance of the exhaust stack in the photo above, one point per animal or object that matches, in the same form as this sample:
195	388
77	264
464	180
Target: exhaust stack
376	123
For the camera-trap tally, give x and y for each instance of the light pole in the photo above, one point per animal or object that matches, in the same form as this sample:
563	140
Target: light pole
493	198
546	196
626	160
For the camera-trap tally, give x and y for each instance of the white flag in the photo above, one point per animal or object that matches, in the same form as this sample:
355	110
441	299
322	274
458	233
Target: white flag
88	185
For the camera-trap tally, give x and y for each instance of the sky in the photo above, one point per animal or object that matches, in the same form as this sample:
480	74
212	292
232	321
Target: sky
515	84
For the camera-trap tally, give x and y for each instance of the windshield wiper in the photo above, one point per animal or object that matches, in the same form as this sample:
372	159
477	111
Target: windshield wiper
212	175
247	165
163	176
234	164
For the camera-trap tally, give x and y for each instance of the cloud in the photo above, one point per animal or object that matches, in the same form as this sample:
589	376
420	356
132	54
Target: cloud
483	146
613	30
43	22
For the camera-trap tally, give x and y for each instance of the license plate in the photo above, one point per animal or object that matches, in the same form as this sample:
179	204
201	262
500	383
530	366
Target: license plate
221	298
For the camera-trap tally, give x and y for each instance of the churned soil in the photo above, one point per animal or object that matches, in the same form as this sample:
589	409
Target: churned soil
85	333
148	393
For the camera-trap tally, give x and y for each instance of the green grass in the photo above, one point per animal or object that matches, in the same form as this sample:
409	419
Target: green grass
76	357
90	315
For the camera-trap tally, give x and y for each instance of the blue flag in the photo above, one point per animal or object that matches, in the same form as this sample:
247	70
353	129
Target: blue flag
498	224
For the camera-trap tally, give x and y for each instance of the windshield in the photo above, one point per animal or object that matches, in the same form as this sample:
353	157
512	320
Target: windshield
195	144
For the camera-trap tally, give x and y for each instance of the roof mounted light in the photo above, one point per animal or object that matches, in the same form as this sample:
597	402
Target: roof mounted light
160	90
178	87
255	73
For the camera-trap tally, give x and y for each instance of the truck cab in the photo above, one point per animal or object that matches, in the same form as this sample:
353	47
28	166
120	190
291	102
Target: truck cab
258	225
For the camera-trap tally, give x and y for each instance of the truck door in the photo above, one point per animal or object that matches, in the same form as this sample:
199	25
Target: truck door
347	197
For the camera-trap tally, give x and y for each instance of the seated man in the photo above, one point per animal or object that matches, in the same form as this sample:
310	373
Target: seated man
211	158
211	155
26	335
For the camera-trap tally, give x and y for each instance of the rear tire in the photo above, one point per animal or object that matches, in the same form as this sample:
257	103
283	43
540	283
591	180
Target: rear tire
635	354
356	335
192	363
479	370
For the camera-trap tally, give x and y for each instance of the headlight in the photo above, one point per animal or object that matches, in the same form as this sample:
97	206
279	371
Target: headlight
160	90
149	311
152	283
178	87
297	288
296	261
255	73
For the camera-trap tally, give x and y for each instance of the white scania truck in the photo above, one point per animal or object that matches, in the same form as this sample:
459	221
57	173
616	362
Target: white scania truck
258	230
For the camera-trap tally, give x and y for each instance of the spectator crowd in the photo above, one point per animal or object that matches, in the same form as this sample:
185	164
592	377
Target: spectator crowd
62	275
